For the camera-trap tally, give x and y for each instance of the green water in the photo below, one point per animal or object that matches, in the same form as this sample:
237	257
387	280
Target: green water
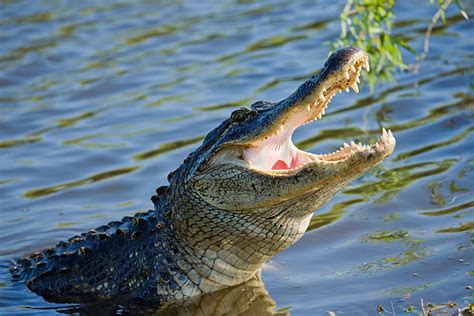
99	101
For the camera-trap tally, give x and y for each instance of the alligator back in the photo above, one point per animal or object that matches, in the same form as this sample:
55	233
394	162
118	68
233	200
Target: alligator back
116	259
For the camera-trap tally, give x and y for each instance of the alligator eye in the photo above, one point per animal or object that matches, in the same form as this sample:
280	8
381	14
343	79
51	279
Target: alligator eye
239	115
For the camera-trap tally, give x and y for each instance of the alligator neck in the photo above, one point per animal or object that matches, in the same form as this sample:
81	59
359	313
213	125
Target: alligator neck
222	249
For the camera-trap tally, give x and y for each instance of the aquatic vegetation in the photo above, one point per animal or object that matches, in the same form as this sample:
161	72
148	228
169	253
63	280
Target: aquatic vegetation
429	309
386	236
412	252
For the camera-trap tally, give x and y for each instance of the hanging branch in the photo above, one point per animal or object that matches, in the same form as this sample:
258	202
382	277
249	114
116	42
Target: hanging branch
368	24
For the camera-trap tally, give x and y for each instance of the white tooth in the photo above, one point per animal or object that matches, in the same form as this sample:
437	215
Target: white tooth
355	87
347	75
390	133
324	111
320	115
324	90
346	145
347	90
321	97
358	79
353	68
308	107
367	66
353	144
384	132
360	144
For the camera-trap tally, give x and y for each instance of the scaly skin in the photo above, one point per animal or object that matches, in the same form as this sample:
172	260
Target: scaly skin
243	196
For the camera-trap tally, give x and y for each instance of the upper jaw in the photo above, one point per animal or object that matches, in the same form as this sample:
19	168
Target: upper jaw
310	100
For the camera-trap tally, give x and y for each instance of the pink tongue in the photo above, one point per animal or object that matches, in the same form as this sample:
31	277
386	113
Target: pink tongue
281	165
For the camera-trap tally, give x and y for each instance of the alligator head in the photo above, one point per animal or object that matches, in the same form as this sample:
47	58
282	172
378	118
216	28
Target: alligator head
248	192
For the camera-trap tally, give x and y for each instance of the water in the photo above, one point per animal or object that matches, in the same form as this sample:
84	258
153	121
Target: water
99	101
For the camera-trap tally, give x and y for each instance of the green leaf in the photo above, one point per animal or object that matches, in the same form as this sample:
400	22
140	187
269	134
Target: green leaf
461	9
404	44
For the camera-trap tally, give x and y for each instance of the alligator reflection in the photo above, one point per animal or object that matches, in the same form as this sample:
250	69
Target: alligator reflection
249	298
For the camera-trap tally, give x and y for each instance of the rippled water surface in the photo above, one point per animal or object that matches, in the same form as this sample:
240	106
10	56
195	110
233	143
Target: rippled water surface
99	101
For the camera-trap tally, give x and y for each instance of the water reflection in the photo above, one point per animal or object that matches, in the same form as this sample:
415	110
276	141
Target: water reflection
250	298
451	210
36	193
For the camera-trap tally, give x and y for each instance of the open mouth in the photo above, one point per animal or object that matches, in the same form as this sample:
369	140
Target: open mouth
276	151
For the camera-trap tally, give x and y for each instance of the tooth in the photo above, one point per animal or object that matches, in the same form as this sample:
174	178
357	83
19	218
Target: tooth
367	66
355	87
347	90
353	68
308	107
346	145
324	111
353	144
384	132
390	133
358	79
321	97
347	75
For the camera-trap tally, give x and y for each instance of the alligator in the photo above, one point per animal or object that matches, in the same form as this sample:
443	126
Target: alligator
243	196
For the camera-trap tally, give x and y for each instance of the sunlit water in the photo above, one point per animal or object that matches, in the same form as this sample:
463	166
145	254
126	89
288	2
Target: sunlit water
99	101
